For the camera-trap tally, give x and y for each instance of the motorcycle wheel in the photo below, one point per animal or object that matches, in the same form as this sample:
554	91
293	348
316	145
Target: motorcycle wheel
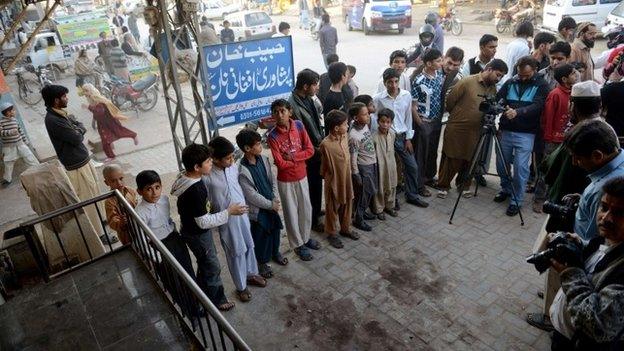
501	27
147	100
365	28
456	27
30	92
402	30
349	26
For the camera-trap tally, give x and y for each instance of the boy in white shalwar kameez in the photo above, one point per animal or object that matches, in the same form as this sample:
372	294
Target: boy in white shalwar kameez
236	239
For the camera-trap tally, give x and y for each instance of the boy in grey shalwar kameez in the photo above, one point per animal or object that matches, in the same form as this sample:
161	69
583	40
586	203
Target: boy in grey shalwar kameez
236	239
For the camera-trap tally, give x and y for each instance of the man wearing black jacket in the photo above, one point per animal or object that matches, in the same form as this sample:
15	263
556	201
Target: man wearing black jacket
67	136
524	96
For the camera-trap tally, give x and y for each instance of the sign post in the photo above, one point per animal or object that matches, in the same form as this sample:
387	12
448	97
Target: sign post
246	77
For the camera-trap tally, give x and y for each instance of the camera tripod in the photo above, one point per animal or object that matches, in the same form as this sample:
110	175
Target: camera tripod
479	159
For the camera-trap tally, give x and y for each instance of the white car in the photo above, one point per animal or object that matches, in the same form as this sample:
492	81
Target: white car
218	9
253	24
615	18
594	11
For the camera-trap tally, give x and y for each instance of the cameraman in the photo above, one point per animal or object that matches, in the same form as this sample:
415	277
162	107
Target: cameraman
463	129
594	148
588	309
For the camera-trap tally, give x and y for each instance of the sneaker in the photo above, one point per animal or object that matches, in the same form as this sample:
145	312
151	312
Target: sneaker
466	194
303	253
113	239
500	197
313	244
335	241
442	194
425	193
512	210
540	321
362	226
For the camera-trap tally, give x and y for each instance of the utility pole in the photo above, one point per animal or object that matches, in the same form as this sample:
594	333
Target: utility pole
174	24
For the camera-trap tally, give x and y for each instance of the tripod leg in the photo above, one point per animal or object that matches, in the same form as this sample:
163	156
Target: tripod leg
471	170
499	153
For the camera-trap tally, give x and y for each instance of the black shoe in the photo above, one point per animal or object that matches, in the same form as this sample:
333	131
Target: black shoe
369	216
512	210
391	212
540	321
400	188
480	179
362	226
417	202
500	197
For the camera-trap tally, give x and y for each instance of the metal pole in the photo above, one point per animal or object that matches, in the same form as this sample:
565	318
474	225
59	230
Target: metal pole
24	47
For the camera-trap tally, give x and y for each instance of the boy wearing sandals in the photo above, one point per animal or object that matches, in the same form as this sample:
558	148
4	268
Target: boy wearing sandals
336	170
196	220
260	189
236	239
291	147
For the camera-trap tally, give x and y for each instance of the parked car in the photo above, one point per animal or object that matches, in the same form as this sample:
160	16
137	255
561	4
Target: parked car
375	15
218	9
594	11
615	18
251	24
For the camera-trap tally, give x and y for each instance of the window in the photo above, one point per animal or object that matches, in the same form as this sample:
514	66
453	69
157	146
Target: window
583	2
609	1
257	18
556	3
619	10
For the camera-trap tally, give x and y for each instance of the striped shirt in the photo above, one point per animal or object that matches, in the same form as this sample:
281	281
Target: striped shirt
8	136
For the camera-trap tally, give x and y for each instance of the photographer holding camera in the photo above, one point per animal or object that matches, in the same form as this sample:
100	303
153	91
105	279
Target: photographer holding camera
524	95
587	311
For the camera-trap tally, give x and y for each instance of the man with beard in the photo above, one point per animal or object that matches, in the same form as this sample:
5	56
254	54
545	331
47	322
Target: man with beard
464	125
581	48
587	311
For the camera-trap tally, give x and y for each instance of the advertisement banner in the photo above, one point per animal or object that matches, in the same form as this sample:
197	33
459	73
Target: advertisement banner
140	66
246	77
82	32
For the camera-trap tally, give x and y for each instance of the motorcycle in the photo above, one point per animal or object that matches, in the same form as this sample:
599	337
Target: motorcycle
140	95
505	22
451	23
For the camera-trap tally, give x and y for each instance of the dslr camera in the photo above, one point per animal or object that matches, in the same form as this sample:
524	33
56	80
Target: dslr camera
562	248
561	216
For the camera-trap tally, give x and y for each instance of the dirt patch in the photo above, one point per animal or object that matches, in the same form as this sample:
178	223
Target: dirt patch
336	325
408	275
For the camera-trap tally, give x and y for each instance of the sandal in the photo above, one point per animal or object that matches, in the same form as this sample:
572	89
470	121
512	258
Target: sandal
538	320
244	296
335	241
381	216
226	306
351	235
256	280
303	253
280	259
265	271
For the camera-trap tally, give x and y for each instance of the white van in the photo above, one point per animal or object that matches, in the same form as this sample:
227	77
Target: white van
252	24
594	11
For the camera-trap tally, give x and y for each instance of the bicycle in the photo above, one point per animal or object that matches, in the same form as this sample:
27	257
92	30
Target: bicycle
29	90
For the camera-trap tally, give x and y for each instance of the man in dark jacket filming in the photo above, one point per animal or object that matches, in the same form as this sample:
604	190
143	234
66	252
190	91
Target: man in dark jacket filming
587	311
524	96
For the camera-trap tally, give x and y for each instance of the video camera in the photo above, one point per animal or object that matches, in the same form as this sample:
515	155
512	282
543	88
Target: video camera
490	108
561	216
562	248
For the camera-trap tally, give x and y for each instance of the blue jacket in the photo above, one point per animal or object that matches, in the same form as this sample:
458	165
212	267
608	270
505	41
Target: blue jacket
528	99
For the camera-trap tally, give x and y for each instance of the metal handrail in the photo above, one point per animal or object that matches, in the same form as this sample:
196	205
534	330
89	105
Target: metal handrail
214	312
185	291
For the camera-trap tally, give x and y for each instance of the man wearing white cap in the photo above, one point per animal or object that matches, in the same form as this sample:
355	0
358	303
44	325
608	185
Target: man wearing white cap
13	143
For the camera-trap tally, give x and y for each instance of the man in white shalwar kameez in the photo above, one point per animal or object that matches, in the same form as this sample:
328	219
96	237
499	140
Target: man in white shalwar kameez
236	239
